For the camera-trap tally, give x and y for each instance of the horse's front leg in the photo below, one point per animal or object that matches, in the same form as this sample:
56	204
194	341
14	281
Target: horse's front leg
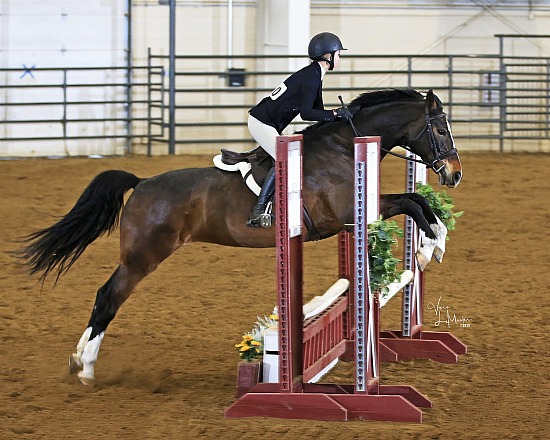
410	204
436	225
440	231
397	204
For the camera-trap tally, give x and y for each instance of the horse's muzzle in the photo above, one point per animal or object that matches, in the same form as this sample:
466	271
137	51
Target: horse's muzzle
457	177
451	174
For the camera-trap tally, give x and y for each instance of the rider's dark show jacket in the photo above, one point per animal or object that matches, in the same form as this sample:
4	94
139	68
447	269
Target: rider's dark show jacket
300	93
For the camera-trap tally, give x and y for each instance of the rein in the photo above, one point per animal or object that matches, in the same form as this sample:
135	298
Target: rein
434	145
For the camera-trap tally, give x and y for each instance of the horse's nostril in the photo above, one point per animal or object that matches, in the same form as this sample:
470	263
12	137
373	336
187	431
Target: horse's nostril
457	177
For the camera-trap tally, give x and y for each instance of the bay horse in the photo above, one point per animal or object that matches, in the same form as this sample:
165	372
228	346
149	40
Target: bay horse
179	207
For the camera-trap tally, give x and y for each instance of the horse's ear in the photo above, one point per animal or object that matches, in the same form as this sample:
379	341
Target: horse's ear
431	102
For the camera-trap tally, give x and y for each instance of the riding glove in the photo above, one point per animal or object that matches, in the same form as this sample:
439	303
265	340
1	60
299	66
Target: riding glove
343	114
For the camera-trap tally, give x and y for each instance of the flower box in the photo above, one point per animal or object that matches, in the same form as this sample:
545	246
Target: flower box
248	375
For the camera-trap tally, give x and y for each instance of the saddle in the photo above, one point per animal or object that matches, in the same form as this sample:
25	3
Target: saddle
254	165
258	163
256	155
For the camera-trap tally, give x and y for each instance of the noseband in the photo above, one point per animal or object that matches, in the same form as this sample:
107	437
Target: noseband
438	152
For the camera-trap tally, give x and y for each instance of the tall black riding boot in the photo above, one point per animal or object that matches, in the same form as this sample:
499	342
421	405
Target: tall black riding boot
258	217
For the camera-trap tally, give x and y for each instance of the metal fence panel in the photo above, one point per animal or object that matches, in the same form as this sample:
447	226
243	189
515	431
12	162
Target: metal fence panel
494	102
75	111
485	96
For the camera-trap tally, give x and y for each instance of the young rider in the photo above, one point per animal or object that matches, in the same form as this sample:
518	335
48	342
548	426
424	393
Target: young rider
300	93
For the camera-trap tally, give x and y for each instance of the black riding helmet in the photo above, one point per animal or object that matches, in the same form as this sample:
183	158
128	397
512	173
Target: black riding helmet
323	43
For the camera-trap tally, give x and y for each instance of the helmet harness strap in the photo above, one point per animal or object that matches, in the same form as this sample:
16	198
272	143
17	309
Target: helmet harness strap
330	60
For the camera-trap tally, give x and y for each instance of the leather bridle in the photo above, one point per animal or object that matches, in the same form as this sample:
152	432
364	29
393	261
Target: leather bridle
438	152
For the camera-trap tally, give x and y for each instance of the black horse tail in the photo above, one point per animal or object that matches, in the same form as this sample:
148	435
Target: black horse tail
96	212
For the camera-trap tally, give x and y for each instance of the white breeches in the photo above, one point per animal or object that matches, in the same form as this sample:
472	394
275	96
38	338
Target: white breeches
264	134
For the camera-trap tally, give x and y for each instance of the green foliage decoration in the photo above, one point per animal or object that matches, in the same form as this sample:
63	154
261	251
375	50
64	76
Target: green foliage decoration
441	204
383	235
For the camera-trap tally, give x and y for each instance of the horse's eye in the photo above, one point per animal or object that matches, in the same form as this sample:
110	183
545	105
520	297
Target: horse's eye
442	132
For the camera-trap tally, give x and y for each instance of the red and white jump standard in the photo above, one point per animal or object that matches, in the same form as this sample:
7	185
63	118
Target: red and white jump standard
292	396
412	341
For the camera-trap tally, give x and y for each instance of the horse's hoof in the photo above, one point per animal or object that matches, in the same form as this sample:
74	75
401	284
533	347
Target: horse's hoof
438	255
84	380
421	261
75	364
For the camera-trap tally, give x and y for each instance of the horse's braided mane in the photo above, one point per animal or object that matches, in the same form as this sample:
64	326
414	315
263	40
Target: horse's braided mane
377	97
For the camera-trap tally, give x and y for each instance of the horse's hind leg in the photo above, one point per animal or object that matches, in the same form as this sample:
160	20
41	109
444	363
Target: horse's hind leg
109	298
147	237
75	361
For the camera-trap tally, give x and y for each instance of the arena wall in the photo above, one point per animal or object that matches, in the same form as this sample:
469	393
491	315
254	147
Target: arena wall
63	33
36	34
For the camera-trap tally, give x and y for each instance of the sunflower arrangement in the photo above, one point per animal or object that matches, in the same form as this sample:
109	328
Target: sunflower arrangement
249	348
252	343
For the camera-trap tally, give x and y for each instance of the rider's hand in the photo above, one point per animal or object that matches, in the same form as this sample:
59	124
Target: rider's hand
342	114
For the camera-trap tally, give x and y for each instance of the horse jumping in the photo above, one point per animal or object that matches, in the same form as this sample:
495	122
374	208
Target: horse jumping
179	207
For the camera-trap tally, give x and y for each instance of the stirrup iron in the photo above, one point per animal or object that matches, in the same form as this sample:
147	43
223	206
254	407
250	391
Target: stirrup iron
265	218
